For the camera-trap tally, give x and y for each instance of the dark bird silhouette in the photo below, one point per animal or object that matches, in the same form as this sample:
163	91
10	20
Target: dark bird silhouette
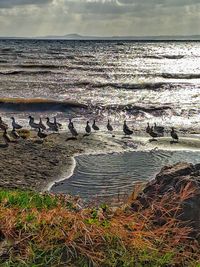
32	124
51	125
159	129
15	134
41	125
73	130
57	124
88	128
70	125
15	125
94	126
109	126
148	129
153	134
126	129
41	134
174	135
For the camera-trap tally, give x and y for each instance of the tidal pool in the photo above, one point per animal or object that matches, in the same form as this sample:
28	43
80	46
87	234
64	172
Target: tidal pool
108	176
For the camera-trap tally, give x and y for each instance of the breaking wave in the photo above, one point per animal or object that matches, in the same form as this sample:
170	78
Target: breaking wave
22	72
136	86
38	104
181	76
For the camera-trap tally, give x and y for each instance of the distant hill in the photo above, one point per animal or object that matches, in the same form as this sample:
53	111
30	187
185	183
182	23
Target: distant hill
75	36
82	37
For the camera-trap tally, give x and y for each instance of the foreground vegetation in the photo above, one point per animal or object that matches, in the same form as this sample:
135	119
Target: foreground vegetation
47	230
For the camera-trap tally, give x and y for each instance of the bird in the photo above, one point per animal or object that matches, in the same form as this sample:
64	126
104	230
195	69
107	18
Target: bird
51	125
41	125
57	124
126	129
3	125
148	128
15	134
33	124
73	130
15	125
159	129
6	137
94	126
153	134
70	125
41	134
109	126
88	128
174	135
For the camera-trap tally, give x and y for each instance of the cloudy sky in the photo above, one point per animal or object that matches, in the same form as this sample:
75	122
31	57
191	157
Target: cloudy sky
99	17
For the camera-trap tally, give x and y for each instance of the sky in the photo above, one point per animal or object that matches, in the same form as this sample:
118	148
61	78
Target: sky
29	18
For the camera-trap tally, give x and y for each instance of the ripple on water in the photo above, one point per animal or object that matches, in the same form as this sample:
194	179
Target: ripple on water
111	175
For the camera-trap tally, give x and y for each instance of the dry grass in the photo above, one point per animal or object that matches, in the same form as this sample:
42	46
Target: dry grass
48	230
24	133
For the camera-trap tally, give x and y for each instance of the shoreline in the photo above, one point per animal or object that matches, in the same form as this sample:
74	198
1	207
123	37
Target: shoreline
31	164
69	173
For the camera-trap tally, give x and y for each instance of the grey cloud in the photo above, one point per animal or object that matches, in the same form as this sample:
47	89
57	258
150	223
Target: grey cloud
13	3
99	17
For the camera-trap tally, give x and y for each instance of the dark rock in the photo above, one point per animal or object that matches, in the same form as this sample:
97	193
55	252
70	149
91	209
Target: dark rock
181	180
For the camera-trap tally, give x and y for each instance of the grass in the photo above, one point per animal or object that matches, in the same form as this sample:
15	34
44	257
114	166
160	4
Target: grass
48	230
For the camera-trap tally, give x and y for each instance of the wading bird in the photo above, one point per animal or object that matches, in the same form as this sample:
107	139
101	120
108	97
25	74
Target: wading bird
41	125
88	128
126	129
174	135
159	129
73	130
51	125
153	134
109	126
94	126
70	125
41	134
148	129
32	124
15	134
57	124
14	124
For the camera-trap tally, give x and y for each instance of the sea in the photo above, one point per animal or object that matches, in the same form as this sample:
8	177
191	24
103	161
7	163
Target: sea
141	82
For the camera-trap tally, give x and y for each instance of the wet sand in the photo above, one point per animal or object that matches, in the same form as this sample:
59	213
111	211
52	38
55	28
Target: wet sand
33	164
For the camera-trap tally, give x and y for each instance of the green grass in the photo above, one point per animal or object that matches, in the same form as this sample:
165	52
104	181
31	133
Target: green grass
46	230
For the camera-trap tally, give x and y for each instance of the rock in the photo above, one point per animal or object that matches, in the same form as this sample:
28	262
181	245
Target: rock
181	182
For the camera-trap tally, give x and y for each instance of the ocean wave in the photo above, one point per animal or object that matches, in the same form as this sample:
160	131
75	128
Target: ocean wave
164	56
153	56
132	108
37	104
16	72
3	61
181	76
135	86
38	66
173	56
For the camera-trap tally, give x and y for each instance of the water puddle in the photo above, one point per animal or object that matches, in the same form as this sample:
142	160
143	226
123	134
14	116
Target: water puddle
107	176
